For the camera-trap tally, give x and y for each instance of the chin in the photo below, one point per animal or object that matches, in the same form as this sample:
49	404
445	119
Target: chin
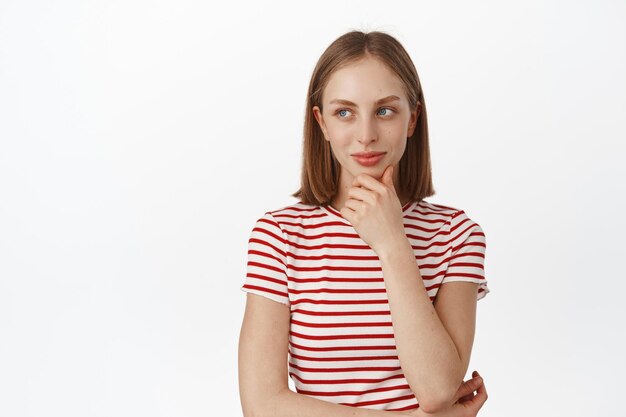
375	172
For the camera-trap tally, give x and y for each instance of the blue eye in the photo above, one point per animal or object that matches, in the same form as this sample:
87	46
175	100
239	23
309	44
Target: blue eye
340	111
387	111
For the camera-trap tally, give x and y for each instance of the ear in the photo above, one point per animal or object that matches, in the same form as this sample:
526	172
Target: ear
320	120
413	120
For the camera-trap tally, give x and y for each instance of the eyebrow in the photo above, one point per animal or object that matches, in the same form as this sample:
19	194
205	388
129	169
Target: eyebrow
380	101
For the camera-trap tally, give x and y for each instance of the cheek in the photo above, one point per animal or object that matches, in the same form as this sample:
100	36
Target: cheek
339	134
395	134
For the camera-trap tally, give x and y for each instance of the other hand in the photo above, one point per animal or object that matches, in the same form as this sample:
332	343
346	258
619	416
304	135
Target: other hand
467	404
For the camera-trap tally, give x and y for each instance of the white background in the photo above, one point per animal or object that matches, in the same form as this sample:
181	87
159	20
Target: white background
141	140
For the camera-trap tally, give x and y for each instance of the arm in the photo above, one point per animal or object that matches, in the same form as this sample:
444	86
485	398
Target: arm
263	372
467	404
433	341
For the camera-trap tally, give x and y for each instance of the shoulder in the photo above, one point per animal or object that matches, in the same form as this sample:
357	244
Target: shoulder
288	216
455	218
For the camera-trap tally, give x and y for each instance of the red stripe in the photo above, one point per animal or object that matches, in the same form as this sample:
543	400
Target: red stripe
267	232
311	301
460	274
342	313
340	291
464	244
435	265
334	257
434	231
265	266
471	226
424	248
266	255
334	325
341	336
460	255
328	279
340	348
339	393
254	287
298	216
264	278
422	218
382	401
342	359
441	207
293	208
355	369
264	243
310	236
408	407
336	268
345	381
465	264
330	246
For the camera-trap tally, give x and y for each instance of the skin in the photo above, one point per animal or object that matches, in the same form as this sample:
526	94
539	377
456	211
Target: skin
367	198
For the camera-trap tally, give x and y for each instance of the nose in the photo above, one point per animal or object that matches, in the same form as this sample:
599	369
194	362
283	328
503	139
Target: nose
367	131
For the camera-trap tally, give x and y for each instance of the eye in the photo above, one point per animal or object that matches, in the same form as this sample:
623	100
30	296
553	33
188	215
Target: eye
341	113
387	111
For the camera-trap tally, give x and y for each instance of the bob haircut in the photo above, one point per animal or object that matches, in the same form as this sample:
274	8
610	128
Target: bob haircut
320	169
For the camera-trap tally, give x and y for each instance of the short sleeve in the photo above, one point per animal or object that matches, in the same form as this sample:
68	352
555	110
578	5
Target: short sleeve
467	258
267	261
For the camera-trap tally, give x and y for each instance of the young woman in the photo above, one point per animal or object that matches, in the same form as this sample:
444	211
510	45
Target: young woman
362	292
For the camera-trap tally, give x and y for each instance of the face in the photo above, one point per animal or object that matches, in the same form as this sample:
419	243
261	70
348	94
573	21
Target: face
366	110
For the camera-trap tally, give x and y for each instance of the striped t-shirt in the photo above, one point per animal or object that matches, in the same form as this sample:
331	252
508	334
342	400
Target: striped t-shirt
341	342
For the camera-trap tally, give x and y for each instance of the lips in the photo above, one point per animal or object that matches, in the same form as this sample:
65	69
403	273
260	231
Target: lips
367	154
368	159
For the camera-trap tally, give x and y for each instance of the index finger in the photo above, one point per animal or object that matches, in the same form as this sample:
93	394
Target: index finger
365	180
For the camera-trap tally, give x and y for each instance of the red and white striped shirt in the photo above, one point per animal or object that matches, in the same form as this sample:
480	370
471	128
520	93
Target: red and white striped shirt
341	341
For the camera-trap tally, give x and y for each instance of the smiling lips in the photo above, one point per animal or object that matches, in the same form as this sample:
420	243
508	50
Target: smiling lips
368	159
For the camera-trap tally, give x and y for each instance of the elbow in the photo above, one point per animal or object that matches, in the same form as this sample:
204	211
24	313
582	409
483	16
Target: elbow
253	410
435	403
261	406
432	407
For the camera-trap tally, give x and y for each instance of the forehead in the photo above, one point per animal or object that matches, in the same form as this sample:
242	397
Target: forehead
363	81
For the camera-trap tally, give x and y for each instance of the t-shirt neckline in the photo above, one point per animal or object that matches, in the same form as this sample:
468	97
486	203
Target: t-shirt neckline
335	214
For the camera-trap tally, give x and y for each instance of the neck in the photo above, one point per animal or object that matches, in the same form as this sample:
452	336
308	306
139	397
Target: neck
339	201
345	182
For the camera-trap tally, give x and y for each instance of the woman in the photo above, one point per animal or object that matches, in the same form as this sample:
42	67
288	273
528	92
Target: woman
347	284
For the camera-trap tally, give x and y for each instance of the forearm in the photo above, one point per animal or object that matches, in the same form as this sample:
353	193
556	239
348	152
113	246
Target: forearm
287	403
428	356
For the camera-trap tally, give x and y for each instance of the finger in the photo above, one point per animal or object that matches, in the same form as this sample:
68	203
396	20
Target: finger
472	384
369	182
363	194
354	205
468	387
481	396
347	213
465	399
